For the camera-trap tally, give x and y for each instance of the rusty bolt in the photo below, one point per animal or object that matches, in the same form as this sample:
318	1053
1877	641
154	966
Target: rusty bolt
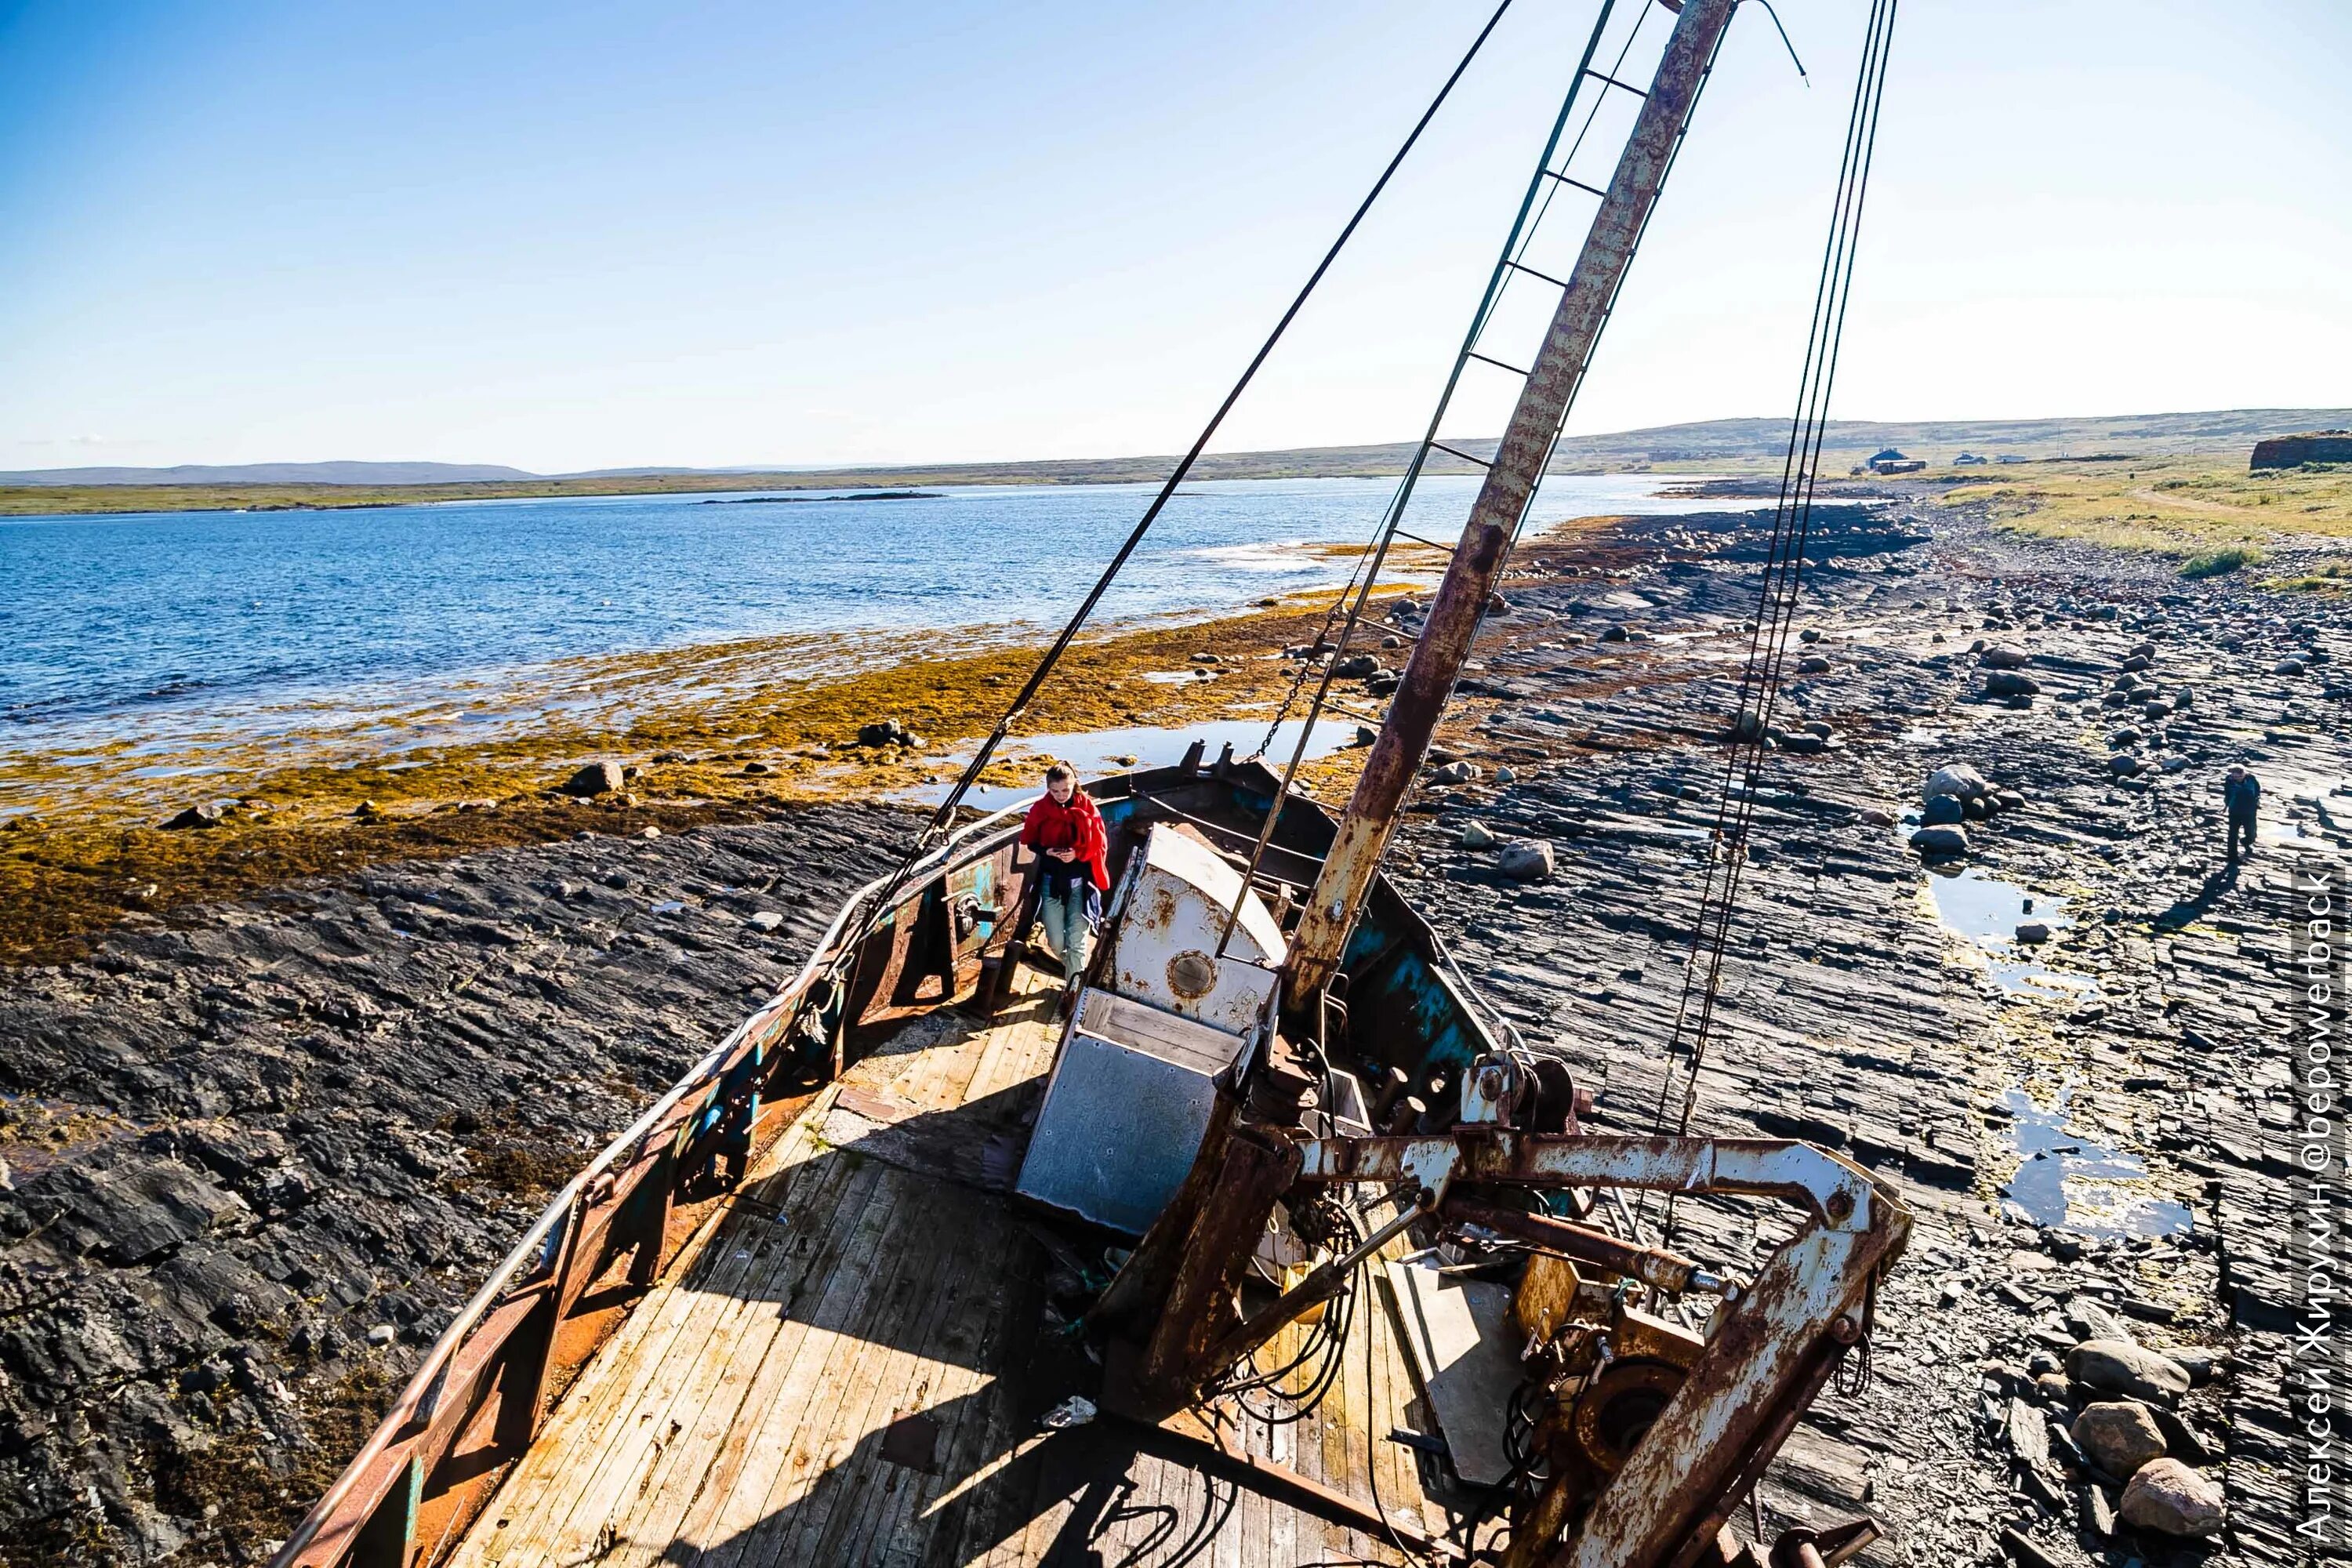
1840	1207
1846	1328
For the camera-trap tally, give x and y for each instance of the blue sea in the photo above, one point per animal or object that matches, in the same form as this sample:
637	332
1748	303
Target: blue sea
160	630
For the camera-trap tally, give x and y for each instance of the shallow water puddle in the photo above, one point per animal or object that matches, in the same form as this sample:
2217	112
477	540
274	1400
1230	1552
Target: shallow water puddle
2275	829
2295	806
1985	912
1098	751
2070	1180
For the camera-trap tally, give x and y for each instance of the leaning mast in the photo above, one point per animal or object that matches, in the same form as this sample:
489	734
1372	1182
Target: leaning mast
1503	499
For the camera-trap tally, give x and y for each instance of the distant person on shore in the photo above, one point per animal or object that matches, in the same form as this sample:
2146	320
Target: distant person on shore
1067	832
2241	793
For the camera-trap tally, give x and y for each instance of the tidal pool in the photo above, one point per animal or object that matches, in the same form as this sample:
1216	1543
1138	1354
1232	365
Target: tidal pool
2068	1180
1985	912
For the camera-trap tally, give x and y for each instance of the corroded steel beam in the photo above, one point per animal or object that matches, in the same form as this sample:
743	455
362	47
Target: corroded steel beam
1767	1354
1766	1358
1226	1228
1650	1265
1826	1186
1470	578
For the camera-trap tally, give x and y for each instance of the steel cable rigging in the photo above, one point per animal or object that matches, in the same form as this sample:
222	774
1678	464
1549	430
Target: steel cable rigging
1782	580
945	814
1355	593
1547	182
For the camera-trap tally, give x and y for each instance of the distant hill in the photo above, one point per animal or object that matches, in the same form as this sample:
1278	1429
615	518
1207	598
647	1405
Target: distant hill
2134	435
273	474
1746	443
1716	446
1715	443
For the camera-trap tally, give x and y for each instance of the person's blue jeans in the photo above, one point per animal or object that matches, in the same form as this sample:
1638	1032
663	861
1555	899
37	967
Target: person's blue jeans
1069	923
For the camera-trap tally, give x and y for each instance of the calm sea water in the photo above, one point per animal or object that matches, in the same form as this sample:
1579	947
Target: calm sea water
113	617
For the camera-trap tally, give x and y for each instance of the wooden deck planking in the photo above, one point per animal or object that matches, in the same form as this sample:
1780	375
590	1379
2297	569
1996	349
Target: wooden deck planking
737	1419
588	1423
580	1423
724	1527
708	1409
633	1451
790	1379
704	1516
760	1491
573	1469
955	1393
870	1374
741	1350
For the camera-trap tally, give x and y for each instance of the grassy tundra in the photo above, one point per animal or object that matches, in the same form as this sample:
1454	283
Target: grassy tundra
2208	510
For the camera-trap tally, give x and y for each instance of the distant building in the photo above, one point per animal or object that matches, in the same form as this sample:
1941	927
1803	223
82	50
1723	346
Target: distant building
2294	451
1890	461
1969	459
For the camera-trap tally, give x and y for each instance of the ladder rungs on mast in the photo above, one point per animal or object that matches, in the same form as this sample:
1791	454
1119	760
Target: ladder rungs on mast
1523	267
1580	185
1612	81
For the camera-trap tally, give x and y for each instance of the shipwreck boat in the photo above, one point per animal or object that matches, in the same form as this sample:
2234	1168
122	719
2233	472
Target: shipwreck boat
1269	1245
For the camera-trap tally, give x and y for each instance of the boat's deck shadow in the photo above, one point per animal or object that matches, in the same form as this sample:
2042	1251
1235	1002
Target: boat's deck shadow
855	1366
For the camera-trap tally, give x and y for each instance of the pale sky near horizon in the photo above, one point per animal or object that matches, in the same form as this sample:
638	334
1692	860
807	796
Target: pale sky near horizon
567	237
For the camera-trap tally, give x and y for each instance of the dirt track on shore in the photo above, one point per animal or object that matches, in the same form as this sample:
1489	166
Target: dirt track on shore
260	1154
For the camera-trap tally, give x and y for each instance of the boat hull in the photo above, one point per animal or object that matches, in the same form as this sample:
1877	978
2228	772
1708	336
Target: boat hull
486	1391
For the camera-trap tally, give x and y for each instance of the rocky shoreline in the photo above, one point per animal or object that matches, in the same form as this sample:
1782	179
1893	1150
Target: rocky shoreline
257	1160
258	1156
2131	1065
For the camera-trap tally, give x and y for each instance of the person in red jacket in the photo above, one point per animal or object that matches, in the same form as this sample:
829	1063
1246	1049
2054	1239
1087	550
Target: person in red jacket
1067	832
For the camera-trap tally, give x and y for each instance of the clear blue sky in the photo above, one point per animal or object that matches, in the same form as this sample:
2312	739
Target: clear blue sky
589	235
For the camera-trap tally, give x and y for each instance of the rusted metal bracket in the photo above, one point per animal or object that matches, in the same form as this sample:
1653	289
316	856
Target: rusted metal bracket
1215	1250
658	1194
1317	1288
1806	1548
1827	1188
389	1533
532	1357
1651	1266
1769	1351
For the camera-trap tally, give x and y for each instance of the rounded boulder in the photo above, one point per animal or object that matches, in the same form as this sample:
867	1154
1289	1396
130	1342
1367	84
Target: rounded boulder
1942	840
2119	1436
2167	1497
2119	1366
1958	779
1527	860
596	778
